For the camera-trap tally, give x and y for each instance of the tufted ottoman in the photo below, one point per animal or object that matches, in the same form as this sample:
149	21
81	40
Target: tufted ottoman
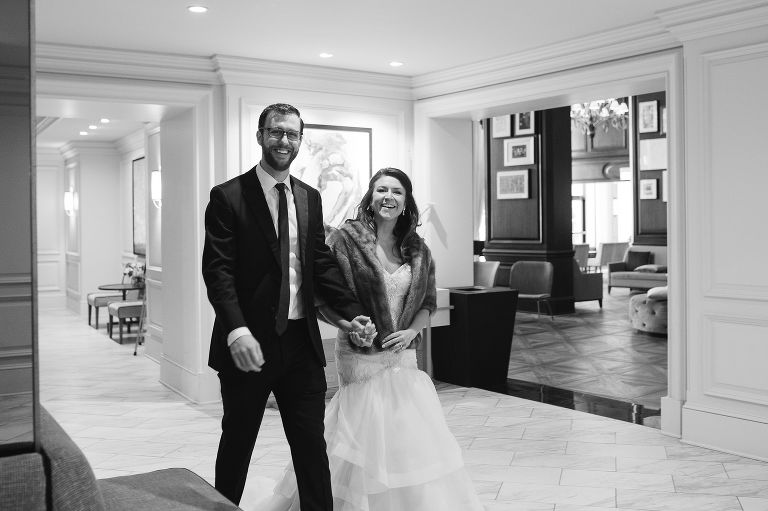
648	312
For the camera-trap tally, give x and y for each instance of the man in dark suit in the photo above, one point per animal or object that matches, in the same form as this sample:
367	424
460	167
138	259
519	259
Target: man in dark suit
264	261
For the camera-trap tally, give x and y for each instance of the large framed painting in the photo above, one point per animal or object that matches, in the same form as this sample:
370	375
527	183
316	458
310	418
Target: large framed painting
337	161
139	176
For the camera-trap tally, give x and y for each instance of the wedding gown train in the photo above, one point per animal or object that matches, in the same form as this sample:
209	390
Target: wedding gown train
389	446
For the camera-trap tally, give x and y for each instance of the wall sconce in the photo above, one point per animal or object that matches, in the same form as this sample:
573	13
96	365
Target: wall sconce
156	188
69	202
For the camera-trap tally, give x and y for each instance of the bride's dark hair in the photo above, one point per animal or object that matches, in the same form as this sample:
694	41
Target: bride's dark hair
405	228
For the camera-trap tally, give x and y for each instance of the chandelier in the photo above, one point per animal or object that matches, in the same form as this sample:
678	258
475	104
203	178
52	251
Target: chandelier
600	113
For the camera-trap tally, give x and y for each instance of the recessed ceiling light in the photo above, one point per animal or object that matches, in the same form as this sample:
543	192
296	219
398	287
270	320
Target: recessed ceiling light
197	9
83	133
395	63
93	127
326	55
104	120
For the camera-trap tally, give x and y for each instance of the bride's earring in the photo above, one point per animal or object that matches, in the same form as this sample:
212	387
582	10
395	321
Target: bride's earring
403	213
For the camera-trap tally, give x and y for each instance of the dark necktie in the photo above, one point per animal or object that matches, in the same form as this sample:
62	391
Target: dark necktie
281	320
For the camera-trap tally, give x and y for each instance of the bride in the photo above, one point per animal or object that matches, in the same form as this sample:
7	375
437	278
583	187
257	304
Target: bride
389	446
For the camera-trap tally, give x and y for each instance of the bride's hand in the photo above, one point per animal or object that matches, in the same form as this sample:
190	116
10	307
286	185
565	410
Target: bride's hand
400	340
362	331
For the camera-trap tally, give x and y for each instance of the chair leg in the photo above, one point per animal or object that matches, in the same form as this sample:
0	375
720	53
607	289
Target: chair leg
97	318
121	320
549	307
600	301
538	308
89	315
109	327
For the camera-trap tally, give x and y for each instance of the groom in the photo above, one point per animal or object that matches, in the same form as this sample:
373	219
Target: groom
264	260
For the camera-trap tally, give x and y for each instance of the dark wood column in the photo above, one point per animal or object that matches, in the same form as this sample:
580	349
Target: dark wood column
536	224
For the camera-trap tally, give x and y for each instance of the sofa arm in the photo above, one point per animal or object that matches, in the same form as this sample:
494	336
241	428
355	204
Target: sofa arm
617	266
171	489
71	479
22	482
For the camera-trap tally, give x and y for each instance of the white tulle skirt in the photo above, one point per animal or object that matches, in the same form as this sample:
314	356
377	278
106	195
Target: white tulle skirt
389	446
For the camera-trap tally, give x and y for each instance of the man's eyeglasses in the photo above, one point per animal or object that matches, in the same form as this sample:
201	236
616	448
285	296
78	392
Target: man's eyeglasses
277	134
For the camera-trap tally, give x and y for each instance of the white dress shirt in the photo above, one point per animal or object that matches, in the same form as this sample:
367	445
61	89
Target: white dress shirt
296	306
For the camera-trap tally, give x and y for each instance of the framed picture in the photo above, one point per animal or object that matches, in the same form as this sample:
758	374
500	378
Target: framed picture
665	186
663	119
512	184
139	176
652	154
648	189
648	116
524	123
337	161
518	151
501	126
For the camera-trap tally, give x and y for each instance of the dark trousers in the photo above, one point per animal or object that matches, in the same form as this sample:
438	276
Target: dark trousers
292	372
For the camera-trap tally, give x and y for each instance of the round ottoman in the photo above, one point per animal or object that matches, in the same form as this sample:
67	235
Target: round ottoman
648	311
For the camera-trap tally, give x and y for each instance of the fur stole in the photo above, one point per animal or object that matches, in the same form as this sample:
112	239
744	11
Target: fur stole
354	246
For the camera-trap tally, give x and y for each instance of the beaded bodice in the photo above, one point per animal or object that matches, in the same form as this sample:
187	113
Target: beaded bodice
356	367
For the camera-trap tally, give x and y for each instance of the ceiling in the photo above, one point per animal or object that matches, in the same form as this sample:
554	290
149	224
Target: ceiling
365	35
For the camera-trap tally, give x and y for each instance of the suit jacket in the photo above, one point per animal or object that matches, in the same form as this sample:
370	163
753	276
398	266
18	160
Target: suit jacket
241	265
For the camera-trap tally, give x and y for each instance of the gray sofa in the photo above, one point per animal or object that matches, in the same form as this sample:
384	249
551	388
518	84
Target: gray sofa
59	478
643	267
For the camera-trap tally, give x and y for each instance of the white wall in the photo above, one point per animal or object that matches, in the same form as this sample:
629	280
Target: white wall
51	228
154	260
94	246
727	292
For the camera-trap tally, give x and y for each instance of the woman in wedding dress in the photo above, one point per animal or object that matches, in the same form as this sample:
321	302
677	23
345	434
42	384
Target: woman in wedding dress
389	446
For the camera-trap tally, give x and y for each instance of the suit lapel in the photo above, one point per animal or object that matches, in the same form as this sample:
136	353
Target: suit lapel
300	200
254	197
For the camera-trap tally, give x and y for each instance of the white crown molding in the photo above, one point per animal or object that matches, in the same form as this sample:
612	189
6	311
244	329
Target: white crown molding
44	123
715	17
622	42
265	73
131	142
82	60
72	149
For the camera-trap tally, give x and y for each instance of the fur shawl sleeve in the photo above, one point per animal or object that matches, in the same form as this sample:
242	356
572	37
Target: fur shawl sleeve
354	246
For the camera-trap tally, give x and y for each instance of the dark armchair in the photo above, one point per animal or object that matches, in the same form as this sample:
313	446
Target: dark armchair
533	280
587	285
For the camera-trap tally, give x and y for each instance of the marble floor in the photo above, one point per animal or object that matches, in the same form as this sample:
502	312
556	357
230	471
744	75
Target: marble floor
522	455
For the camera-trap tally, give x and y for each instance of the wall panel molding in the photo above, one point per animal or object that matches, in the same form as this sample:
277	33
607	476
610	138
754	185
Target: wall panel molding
724	165
733	357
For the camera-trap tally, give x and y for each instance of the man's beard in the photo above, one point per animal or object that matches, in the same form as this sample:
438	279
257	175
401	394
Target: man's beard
269	158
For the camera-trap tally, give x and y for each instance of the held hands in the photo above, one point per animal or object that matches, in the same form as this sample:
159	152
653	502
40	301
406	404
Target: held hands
362	331
400	340
246	352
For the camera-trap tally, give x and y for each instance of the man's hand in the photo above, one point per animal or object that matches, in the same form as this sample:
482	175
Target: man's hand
246	352
362	331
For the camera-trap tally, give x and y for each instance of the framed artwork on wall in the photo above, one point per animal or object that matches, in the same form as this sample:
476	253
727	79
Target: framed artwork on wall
512	184
139	194
337	161
652	154
665	186
524	123
648	116
518	151
648	189
501	126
